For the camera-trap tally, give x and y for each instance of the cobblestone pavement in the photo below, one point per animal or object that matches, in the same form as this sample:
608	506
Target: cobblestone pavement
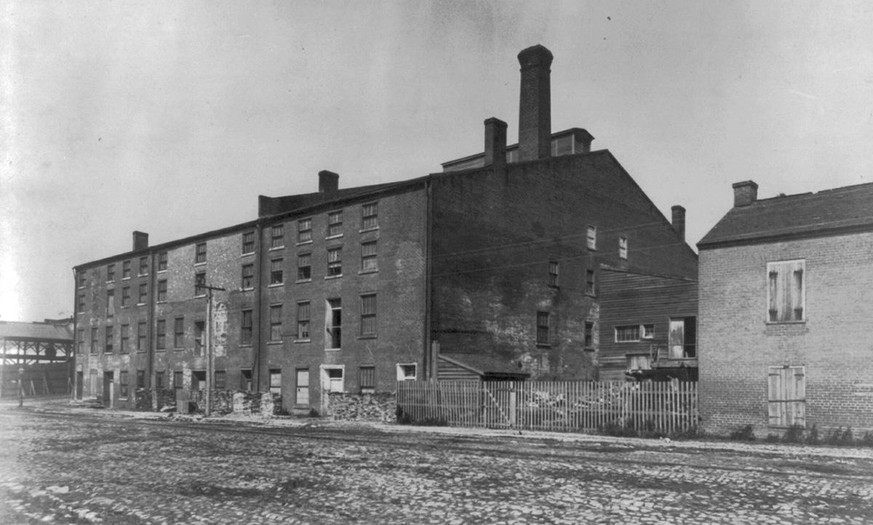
79	466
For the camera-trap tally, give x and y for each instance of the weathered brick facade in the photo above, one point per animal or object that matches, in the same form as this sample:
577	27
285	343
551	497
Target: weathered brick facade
739	342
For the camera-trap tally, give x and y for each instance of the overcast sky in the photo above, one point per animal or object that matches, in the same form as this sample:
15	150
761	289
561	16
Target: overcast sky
172	117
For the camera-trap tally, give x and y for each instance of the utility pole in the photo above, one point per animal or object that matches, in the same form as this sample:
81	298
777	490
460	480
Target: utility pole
209	364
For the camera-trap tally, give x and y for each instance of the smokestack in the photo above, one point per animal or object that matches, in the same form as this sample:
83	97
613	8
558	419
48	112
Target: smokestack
495	143
535	109
679	221
745	193
140	241
328	182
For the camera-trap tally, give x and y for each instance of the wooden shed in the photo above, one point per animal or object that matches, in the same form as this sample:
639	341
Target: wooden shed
472	367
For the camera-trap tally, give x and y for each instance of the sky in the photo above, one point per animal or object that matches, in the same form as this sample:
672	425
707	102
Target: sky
172	117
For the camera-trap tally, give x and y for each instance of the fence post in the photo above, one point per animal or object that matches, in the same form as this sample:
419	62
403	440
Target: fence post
513	416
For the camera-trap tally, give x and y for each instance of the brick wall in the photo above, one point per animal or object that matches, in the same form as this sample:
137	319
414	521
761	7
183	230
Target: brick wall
495	234
737	345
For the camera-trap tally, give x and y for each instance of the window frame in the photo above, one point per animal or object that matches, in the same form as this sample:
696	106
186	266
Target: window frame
161	334
369	318
333	323
275	323
143	295
247	281
591	237
277	236
162	261
125	296
367	379
248	243
304	320
200	253
553	273
776	283
125	269
246	326
109	339
200	283
125	339
622	247
162	291
370	221
179	333
369	259
304	268
143	266
402	370
277	271
304	230
110	273
334	263
543	328
141	336
334	224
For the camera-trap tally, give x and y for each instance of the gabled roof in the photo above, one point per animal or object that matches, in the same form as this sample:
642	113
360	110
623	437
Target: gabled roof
485	366
35	331
829	212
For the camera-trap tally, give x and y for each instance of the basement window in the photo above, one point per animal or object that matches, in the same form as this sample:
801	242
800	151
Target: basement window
407	371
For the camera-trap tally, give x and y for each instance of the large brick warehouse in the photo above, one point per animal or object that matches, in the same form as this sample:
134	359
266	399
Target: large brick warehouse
497	259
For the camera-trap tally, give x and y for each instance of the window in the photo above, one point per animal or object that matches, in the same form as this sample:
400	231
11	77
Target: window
109	340
179	332
140	379
407	371
368	315
161	332
125	270
589	335
590	285
123	384
276	274
335	224
200	253
143	265
334	378
82	280
276	381
276	322
647	331
199	283
110	273
159	380
369	261
143	293
627	334
335	262
367	379
81	302
333	323
304	230
80	341
141	336
199	328
94	341
592	237
248	276
162	261
277	236
110	303
177	379
245	380
542	328
786	396
639	362
683	338
304	267
248	243
220	380
162	290
125	296
245	337
303	320
622	247
785	292
369	216
553	273
125	339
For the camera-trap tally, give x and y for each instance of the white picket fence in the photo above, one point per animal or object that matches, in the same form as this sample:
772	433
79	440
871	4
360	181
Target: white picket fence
665	407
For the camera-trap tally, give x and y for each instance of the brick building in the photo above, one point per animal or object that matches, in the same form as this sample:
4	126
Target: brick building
495	260
785	312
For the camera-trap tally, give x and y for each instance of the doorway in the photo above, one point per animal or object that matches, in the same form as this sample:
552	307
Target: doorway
108	389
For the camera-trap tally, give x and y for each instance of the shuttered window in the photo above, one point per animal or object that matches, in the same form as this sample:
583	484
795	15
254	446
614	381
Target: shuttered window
367	379
786	396
786	291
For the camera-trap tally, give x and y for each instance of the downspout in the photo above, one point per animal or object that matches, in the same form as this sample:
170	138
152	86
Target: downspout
430	365
75	350
256	310
150	322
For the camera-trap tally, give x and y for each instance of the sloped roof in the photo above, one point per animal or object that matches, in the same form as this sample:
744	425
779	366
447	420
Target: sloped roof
268	206
484	365
828	212
35	331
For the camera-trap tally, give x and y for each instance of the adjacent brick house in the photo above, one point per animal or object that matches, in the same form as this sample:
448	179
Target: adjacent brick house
785	312
495	260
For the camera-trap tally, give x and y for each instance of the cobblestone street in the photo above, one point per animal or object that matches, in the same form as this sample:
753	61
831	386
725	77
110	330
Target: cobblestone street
83	466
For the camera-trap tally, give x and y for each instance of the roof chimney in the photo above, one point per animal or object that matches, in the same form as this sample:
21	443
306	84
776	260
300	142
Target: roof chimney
140	241
679	220
495	143
535	109
328	182
745	193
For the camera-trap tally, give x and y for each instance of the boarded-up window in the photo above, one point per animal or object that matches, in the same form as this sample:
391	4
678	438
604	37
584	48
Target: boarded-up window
786	396
367	379
785	291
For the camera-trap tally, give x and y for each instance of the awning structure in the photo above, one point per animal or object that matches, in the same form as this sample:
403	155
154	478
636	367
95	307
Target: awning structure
32	343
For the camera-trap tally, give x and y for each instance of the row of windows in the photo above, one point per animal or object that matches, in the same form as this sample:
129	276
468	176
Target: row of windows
591	242
590	285
333	328
545	335
369	221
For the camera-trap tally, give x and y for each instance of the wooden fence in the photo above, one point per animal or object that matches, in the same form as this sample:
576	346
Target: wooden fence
664	407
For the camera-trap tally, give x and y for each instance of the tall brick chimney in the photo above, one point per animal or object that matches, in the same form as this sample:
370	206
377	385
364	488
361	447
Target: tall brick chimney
140	241
495	143
679	220
535	109
328	182
745	193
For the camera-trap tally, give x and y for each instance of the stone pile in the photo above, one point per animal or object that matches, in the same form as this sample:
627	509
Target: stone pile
379	407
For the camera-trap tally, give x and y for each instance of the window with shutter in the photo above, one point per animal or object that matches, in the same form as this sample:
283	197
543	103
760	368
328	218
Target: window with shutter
786	292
